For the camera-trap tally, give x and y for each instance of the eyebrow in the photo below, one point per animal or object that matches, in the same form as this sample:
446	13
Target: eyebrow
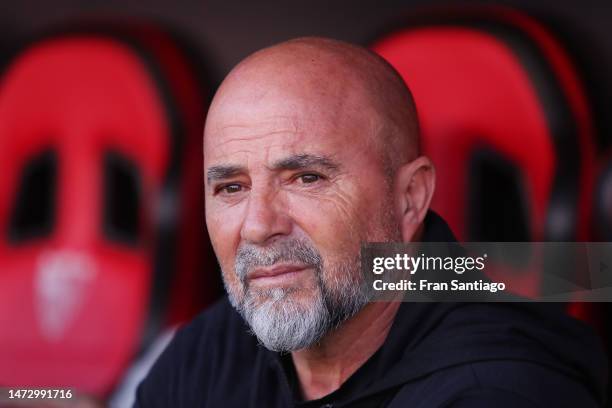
222	172
295	162
301	161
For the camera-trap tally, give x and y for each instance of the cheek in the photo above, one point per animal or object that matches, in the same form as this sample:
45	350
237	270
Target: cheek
332	223
224	233
335	229
338	224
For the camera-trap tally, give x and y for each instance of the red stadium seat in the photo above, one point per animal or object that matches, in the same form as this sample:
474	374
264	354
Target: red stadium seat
506	122
102	235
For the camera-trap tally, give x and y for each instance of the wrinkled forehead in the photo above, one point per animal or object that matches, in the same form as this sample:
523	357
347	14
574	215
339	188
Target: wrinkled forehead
268	124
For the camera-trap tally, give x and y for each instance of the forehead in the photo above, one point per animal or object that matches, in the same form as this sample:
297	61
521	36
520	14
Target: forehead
276	123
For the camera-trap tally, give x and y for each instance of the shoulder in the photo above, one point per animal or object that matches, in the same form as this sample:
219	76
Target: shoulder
201	352
534	384
216	331
527	353
502	383
213	326
536	352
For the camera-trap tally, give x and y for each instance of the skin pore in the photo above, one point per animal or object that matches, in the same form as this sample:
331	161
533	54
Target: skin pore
313	141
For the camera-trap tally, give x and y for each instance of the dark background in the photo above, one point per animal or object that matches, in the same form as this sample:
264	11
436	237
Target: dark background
228	30
225	31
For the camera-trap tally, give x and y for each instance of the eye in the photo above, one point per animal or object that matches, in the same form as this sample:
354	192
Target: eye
229	189
309	178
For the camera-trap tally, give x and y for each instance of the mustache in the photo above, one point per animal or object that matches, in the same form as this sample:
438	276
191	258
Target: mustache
250	257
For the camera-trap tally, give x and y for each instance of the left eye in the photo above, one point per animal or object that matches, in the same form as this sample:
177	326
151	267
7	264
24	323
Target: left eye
309	178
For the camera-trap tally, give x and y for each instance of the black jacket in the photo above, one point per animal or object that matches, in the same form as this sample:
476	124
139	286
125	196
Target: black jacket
436	355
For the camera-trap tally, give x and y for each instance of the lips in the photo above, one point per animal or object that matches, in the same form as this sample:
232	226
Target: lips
276	271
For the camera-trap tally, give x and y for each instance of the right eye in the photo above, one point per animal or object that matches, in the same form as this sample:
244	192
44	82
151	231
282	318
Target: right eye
229	189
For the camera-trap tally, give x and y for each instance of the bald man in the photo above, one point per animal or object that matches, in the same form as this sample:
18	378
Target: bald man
310	149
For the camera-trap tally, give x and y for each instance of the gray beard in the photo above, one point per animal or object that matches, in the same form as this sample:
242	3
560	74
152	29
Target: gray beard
283	323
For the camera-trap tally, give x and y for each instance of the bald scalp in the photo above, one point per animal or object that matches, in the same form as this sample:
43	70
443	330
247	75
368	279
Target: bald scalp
336	75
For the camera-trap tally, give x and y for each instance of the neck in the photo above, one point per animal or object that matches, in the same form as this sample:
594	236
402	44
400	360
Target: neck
323	368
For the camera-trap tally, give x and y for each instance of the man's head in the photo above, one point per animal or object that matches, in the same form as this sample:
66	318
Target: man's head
310	149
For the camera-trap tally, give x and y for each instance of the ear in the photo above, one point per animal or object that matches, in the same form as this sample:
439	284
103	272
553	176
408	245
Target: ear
414	187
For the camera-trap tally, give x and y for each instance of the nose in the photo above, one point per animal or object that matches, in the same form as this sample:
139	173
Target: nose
266	218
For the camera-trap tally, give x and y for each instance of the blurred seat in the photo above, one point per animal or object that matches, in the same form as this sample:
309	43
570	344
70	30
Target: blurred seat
504	119
506	122
102	237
